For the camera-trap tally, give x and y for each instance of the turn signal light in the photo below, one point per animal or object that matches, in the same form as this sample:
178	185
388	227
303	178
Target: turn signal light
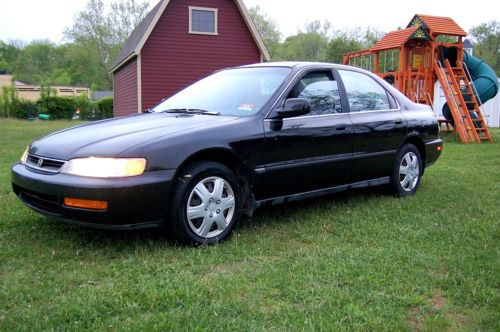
85	203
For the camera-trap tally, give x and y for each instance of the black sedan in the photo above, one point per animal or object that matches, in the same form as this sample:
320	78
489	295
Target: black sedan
238	139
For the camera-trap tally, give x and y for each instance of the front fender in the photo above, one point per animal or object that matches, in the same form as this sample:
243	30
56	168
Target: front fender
242	139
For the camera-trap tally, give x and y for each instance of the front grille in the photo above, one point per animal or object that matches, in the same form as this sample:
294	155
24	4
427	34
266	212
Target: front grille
44	165
43	202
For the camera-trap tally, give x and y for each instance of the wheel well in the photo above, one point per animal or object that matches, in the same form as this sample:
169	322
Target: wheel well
419	144
230	160
224	157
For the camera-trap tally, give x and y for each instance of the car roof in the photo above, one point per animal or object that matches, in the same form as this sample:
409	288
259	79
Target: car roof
296	64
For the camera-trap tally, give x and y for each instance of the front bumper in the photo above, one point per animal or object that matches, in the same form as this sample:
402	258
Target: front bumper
133	202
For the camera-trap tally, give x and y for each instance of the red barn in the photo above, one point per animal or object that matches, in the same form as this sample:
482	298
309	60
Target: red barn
178	42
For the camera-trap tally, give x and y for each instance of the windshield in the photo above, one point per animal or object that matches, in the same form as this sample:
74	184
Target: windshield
239	92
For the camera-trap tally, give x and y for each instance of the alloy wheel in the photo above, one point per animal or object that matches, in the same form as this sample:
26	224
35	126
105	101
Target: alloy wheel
409	171
210	207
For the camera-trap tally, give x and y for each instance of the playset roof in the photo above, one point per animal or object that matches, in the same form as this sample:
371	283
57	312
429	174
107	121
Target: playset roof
396	39
437	25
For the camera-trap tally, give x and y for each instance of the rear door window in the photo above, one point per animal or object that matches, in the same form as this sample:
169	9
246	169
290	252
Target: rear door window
363	92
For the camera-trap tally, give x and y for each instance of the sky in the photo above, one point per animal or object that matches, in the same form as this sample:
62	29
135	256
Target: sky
46	19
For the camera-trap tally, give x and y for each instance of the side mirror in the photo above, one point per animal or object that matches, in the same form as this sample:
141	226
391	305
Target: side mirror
295	107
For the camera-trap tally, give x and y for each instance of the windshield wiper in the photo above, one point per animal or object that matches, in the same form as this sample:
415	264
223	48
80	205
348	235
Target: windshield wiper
190	111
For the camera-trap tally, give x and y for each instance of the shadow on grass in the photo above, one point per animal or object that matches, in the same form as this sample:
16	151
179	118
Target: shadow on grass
280	213
157	238
91	237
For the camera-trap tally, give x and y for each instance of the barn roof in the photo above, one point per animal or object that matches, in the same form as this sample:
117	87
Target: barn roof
135	37
140	34
438	25
396	39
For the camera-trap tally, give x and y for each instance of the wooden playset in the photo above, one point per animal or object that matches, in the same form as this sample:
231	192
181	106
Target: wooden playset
431	48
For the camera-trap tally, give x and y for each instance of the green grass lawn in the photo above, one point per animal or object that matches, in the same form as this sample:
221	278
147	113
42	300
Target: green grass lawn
361	260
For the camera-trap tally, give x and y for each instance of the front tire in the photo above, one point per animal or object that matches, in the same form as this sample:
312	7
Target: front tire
407	171
205	205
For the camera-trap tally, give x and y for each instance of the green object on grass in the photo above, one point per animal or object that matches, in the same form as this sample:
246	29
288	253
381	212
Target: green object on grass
43	116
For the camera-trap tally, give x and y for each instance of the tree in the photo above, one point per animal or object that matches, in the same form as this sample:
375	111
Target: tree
487	43
101	33
85	66
371	36
304	47
125	15
319	42
309	44
318	28
8	54
40	61
345	41
365	37
340	45
267	28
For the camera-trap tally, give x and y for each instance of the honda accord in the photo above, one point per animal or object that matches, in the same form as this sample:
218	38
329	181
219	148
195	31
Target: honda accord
236	140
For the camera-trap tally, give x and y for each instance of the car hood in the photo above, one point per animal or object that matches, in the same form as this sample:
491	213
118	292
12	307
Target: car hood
109	138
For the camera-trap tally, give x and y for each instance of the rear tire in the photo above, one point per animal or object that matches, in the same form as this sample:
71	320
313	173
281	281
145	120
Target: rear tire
407	171
205	205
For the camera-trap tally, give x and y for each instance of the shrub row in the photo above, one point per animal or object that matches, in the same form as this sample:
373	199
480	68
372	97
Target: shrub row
58	108
105	106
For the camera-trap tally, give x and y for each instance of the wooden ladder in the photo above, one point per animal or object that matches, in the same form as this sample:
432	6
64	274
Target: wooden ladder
471	98
468	119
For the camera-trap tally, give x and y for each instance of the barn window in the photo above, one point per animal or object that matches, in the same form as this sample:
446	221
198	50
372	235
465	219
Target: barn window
203	20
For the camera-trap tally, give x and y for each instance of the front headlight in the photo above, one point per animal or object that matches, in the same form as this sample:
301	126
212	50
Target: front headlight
105	167
24	157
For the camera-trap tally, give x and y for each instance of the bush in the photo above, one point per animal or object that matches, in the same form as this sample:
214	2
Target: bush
86	108
12	106
57	107
24	109
8	97
105	106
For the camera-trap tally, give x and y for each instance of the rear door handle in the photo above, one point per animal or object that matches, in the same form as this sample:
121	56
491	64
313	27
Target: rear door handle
398	121
340	128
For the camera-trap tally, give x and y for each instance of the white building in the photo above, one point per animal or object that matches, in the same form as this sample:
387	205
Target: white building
491	109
